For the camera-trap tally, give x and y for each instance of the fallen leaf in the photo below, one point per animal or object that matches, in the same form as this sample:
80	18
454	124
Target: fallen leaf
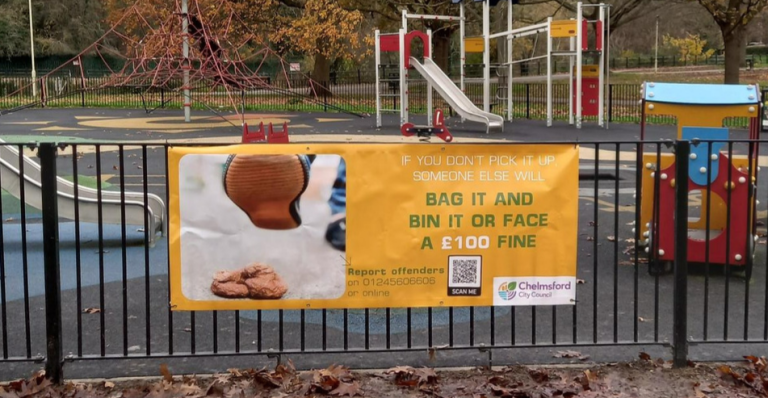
644	356
91	310
347	389
580	281
166	373
590	239
109	384
640	319
611	238
630	240
539	375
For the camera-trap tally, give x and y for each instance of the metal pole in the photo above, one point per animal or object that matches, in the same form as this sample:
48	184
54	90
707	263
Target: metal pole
680	321
429	85
403	81
486	57
601	72
656	62
187	64
549	72
54	351
462	64
378	89
571	62
579	61
510	58
32	52
607	63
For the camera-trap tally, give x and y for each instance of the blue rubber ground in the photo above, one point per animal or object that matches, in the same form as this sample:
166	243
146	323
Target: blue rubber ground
111	236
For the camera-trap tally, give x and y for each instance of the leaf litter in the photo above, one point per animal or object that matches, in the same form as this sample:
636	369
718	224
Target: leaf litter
646	377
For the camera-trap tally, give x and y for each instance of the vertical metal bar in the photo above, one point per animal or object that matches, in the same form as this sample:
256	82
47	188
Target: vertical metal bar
302	331
24	254
750	241
78	269
450	328
594	245
237	331
554	325
654	248
549	72
616	248
325	328
368	329
409	326
121	165
471	327
53	364
3	286
192	333
707	237
533	325
728	246
147	310
215	327
492	329
100	211
579	62
680	321
167	200
258	330
281	328
486	57
462	51
377	53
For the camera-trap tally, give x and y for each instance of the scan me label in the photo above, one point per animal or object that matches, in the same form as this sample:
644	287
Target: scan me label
533	291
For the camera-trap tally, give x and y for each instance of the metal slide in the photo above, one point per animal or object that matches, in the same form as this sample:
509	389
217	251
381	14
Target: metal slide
88	198
455	98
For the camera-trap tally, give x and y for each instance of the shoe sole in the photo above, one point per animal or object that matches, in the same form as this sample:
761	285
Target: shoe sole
267	188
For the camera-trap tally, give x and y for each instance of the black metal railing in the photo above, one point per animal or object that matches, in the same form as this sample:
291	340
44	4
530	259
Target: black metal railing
351	93
99	291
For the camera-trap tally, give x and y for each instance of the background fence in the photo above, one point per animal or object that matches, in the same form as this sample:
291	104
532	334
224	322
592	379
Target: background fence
106	287
353	93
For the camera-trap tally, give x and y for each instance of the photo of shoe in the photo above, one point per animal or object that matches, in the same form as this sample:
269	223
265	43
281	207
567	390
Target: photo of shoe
268	187
263	226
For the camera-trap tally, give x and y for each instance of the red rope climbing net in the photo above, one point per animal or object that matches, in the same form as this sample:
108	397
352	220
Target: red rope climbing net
225	58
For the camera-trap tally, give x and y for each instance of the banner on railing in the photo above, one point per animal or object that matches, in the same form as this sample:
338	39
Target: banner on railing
289	226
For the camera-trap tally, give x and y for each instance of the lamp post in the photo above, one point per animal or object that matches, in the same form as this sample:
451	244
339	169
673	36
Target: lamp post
656	58
32	51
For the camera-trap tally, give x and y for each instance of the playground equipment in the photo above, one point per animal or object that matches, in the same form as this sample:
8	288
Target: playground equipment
437	128
728	211
587	81
86	200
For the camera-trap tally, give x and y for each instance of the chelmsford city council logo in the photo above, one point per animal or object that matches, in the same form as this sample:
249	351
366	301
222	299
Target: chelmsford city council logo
507	291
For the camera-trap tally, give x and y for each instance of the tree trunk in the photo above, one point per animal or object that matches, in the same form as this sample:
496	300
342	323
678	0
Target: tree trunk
322	74
732	56
441	40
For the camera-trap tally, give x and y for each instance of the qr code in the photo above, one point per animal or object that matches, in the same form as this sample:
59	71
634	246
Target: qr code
464	271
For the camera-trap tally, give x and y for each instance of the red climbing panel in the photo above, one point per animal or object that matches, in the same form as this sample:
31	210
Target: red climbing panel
599	34
389	43
590	99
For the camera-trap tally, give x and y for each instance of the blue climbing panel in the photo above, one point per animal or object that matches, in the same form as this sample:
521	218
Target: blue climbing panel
701	94
702	152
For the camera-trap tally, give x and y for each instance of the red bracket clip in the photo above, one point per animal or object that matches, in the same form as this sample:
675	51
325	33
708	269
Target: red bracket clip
278	137
250	137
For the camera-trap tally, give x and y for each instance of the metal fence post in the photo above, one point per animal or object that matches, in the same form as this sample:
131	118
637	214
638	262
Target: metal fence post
527	100
680	321
610	103
53	364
